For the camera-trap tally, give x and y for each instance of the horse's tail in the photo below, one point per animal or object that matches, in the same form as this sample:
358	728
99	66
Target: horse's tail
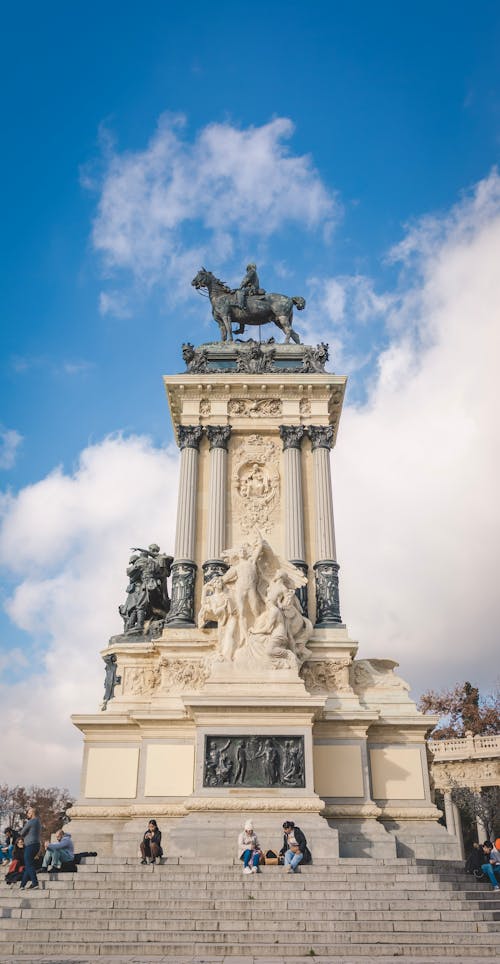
299	302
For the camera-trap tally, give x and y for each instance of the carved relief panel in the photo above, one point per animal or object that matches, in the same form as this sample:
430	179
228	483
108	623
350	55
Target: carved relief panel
256	484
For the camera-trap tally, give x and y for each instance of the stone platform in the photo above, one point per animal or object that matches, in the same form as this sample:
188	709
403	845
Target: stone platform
335	909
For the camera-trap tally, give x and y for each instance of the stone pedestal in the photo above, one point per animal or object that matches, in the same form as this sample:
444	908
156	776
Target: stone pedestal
335	743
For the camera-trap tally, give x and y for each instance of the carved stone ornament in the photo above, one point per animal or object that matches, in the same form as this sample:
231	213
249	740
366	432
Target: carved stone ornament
254	761
256	483
321	436
189	436
254	408
467	773
205	407
305	406
315	358
182	607
196	359
218	436
291	436
254	361
377	674
278	804
326	676
135	810
141	680
183	674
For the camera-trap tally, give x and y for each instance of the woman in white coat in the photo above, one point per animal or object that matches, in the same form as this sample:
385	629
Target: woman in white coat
249	849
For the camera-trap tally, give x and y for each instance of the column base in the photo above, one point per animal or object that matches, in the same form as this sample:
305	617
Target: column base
182	606
327	594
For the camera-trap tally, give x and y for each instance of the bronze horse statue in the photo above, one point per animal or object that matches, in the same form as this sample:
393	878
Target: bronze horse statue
259	310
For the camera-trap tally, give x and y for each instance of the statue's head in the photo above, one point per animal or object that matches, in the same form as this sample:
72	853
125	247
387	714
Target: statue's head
188	352
154	548
251	266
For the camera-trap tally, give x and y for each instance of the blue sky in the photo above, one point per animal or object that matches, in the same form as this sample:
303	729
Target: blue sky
372	132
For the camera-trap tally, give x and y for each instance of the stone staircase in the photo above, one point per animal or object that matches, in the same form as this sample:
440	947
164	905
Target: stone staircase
343	907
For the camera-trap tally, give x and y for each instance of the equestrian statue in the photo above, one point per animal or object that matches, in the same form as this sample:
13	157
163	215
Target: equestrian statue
247	305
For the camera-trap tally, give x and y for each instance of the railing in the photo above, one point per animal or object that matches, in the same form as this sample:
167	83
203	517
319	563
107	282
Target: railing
465	749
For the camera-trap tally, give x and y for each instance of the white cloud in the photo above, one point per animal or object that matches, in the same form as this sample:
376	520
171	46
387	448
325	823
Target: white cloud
339	309
66	541
114	303
416	468
228	183
10	441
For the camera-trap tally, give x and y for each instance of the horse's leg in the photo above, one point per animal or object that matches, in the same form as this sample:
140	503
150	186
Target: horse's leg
221	323
282	323
228	326
285	324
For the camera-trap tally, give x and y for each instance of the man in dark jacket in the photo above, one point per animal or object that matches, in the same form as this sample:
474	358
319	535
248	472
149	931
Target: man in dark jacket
294	849
31	833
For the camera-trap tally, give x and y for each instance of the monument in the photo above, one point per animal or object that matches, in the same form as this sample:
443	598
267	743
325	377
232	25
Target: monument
235	690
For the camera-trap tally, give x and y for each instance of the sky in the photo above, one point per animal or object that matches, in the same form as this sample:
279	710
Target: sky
351	150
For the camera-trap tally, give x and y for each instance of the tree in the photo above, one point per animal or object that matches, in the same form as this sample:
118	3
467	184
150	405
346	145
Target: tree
51	803
483	804
462	709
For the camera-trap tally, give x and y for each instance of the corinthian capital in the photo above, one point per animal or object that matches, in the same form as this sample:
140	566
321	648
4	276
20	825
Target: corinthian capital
291	436
218	436
189	436
321	436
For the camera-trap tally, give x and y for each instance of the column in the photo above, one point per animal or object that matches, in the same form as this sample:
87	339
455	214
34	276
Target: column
458	829
295	552
449	813
218	437
184	567
326	566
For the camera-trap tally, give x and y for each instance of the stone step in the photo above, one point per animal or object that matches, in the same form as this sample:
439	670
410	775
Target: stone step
192	905
233	932
65	927
147	874
337	908
191	949
231	912
210	883
217	897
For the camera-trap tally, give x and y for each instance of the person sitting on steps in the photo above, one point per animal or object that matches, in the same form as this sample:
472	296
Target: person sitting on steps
58	853
492	866
294	849
249	849
151	844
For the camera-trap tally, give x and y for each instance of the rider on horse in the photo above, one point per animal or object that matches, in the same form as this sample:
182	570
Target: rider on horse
249	286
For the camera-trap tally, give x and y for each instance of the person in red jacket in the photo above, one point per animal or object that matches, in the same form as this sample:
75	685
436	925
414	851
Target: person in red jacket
16	866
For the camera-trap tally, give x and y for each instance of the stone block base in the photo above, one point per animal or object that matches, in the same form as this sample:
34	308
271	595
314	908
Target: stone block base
423	838
364	837
215	835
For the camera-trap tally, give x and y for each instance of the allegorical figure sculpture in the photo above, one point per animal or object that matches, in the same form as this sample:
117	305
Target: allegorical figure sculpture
260	622
247	305
111	679
147	591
